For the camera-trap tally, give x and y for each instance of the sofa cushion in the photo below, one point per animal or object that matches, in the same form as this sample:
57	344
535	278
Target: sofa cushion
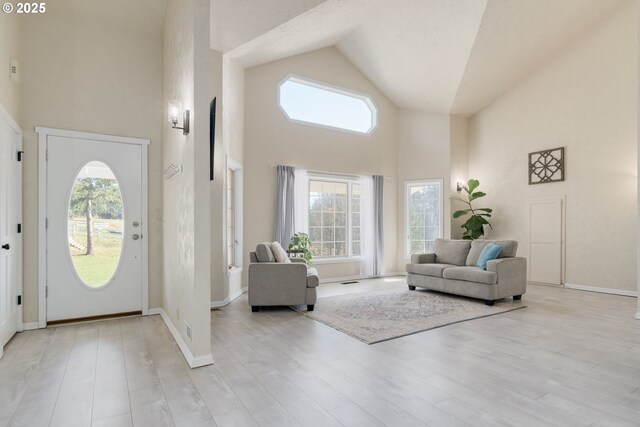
471	274
264	253
451	251
509	249
279	253
433	270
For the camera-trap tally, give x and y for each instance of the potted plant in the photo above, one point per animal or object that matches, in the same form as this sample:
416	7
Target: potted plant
474	226
301	243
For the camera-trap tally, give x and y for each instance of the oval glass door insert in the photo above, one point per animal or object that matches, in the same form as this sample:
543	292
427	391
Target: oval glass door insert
95	225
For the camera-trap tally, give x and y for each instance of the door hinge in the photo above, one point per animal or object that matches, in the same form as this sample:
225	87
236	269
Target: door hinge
19	228
46	155
46	223
46	291
20	153
19	299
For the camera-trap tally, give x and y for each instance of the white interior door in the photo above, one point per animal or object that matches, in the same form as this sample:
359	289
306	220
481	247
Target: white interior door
10	237
546	240
94	239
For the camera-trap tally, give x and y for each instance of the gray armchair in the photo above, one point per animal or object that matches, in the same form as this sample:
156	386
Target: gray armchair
276	283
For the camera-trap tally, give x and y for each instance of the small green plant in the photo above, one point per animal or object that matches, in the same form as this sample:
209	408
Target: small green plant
301	242
474	226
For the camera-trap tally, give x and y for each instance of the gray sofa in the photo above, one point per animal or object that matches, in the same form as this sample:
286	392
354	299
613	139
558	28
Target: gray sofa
452	268
276	283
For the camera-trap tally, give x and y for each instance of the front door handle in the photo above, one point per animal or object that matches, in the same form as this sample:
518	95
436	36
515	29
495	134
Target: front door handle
6	246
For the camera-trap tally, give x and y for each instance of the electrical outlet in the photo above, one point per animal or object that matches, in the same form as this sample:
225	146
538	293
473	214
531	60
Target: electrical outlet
188	329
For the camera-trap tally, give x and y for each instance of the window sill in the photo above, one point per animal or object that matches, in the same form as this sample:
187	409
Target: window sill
234	271
336	260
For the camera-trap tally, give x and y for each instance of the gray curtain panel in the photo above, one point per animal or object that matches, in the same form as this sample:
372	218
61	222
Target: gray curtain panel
285	210
378	224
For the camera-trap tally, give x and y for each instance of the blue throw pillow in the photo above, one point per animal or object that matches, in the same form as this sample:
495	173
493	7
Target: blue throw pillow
491	251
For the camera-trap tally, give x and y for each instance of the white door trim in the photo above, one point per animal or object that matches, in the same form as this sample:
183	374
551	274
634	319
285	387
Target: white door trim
6	117
43	134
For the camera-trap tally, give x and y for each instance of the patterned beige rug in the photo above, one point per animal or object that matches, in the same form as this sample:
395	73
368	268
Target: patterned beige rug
377	316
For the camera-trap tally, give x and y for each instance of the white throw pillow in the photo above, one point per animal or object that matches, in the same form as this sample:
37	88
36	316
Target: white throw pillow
279	253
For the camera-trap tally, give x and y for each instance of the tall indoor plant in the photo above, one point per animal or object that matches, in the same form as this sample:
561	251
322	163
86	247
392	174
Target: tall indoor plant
474	226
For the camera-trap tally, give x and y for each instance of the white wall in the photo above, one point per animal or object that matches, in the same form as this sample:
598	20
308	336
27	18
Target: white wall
584	99
186	235
269	139
79	73
9	45
423	153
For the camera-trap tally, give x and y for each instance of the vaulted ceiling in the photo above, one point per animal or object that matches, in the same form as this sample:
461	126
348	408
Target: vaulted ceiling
447	56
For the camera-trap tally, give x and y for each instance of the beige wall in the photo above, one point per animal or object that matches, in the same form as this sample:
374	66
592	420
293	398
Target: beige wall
186	234
269	139
584	99
79	73
423	153
9	45
459	168
229	146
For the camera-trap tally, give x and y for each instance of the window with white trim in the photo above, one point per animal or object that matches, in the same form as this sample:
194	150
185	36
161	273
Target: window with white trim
424	215
318	104
334	217
234	216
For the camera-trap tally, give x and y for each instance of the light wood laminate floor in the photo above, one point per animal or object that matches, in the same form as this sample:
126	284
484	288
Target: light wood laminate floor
571	358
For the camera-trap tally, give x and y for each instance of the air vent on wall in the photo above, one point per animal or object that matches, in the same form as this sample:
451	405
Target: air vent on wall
14	71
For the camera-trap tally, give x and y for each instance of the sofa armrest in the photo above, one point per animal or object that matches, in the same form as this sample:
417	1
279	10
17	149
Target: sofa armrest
423	258
277	274
512	274
296	259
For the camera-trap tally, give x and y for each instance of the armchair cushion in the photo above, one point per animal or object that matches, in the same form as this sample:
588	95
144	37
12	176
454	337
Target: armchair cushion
279	253
264	253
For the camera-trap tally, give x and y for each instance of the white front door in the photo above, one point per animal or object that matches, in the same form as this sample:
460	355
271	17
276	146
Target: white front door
546	241
94	239
10	237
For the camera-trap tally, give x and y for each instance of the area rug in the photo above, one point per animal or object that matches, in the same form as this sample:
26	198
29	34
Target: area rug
377	316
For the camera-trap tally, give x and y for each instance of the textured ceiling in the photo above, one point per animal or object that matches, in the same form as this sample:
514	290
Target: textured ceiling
235	22
436	55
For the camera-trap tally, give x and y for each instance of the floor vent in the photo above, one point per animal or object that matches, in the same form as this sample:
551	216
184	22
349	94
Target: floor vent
351	282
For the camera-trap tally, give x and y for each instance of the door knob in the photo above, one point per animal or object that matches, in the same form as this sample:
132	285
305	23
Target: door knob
6	246
135	236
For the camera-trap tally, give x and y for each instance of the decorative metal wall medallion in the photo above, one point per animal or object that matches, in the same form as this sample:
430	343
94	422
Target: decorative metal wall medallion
546	166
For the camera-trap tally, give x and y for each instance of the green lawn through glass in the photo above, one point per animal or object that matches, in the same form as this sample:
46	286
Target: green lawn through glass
96	270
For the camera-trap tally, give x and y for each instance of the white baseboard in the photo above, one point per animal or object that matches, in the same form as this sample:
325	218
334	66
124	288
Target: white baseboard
601	290
154	311
348	278
30	326
228	300
194	362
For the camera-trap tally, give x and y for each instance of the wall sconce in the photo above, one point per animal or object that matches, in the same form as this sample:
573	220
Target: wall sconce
459	186
175	107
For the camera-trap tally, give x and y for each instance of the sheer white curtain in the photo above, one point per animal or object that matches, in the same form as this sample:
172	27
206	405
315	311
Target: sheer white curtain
301	202
367	236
